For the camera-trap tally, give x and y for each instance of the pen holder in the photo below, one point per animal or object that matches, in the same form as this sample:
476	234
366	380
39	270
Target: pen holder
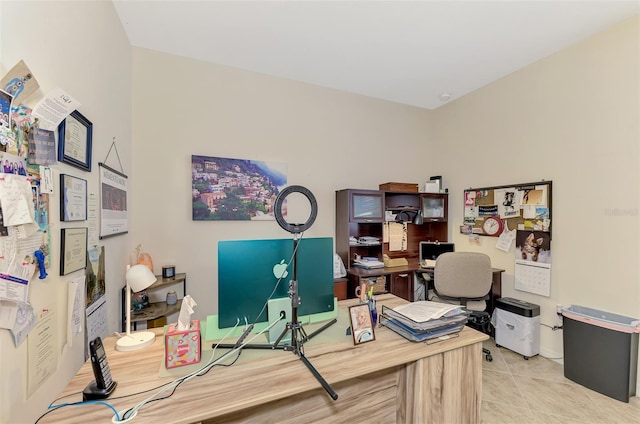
374	316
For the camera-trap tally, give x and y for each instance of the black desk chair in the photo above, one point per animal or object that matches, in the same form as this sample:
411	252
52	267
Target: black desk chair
465	278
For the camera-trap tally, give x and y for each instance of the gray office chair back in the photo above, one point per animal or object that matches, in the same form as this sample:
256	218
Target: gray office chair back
466	276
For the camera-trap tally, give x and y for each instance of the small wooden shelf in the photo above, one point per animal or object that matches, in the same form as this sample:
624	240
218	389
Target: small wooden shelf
155	310
161	282
402	208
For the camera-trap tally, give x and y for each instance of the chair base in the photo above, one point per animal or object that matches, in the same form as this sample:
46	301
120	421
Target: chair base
487	354
480	321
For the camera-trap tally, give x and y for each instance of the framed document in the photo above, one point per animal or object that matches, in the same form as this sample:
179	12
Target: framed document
73	248
74	141
73	202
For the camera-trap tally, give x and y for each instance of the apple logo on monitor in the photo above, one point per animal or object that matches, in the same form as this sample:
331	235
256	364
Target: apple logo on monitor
280	270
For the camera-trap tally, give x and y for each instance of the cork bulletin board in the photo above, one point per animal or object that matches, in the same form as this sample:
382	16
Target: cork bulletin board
489	211
524	212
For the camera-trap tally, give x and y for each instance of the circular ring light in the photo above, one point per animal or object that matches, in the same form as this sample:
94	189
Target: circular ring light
277	209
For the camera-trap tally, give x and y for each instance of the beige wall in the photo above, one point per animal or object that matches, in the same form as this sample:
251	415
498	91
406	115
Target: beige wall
329	140
571	118
81	48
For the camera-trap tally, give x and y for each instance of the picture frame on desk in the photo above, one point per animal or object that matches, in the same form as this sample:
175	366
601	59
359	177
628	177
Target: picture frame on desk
361	324
75	136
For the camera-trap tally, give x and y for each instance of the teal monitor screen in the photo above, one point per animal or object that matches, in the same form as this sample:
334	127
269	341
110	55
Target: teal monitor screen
246	277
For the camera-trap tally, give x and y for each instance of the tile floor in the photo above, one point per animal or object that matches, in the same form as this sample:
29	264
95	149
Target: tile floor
535	391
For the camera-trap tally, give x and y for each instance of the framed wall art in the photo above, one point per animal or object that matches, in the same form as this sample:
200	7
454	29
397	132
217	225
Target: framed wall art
226	189
75	135
73	248
113	202
73	202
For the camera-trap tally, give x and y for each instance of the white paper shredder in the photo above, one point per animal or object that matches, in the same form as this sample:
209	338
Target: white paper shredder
517	326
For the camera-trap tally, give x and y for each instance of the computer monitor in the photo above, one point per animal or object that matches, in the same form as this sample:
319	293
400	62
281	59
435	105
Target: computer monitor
247	276
430	250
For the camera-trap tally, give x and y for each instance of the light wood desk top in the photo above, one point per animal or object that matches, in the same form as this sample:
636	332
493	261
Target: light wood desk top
249	383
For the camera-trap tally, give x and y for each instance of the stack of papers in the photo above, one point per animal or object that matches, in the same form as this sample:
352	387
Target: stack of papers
368	264
424	320
426	310
369	241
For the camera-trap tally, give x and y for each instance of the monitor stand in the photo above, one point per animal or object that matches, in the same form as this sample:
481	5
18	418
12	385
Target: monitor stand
298	335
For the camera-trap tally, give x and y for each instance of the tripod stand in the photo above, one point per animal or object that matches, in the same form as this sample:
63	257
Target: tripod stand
298	335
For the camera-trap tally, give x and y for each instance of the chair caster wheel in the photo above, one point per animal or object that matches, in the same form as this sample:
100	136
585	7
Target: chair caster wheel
526	358
489	358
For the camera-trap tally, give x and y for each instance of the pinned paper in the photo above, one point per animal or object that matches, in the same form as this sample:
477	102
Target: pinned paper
17	200
53	108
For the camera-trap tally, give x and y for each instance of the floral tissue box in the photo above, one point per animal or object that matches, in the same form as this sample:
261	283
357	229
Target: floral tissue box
182	347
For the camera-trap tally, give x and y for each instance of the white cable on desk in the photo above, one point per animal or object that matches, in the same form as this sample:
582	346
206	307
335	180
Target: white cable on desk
173	384
180	380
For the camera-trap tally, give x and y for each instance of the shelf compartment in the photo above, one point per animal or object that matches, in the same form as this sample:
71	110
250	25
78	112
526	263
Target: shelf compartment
155	310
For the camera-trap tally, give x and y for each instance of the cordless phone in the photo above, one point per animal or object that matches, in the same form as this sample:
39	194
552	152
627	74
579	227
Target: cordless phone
103	385
99	363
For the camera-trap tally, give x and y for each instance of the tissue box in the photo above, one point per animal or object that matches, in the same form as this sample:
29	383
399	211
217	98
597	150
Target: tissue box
182	347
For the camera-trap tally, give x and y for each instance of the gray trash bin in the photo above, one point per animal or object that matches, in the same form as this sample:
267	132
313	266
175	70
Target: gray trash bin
601	350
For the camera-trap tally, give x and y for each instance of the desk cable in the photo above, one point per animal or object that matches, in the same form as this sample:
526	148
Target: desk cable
131	413
173	384
52	407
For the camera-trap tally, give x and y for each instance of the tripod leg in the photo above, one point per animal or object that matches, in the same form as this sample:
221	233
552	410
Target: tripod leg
318	377
287	328
319	330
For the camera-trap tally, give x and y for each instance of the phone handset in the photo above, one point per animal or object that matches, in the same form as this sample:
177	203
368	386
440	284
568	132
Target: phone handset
103	385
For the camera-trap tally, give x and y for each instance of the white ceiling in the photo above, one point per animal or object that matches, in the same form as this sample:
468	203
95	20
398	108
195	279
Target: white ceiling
409	52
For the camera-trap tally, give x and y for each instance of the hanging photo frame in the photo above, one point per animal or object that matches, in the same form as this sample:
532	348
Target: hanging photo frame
113	202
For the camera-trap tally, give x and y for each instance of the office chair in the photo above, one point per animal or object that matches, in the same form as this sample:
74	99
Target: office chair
465	278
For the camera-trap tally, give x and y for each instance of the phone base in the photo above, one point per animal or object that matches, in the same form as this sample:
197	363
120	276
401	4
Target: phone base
92	391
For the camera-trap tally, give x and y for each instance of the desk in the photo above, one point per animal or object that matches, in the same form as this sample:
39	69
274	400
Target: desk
387	380
355	274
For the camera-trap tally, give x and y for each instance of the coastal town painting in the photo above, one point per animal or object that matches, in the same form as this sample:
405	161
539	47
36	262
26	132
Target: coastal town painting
225	189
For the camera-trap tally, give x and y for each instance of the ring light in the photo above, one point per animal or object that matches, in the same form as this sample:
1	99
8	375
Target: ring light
295	228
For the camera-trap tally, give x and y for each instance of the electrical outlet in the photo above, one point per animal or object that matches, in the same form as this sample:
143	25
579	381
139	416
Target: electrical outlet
559	311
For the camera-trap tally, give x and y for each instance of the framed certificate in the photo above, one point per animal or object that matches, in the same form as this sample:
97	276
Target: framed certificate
73	202
73	248
75	134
